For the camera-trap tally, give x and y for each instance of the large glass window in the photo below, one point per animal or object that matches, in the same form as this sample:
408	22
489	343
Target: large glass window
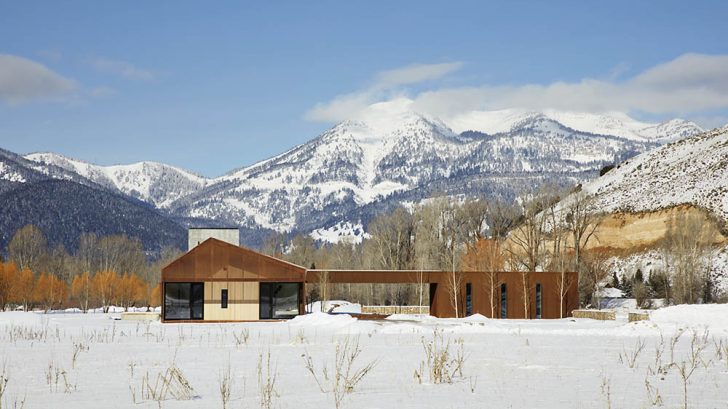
504	301
278	300
183	301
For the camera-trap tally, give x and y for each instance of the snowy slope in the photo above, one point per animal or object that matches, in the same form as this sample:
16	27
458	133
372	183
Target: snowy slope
693	170
16	170
152	182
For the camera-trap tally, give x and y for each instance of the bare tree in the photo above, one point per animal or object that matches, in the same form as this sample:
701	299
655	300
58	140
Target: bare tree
581	220
501	217
486	258
59	263
121	254
526	240
274	245
28	248
302	251
526	293
444	231
596	270
686	248
392	239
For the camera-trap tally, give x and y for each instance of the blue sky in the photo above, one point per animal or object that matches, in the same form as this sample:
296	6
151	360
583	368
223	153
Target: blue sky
212	86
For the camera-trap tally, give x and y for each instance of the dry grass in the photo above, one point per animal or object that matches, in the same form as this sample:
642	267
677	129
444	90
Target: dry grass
346	375
440	364
630	357
267	377
226	384
172	382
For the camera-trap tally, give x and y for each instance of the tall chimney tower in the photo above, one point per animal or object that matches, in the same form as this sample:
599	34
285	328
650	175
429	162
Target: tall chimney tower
196	235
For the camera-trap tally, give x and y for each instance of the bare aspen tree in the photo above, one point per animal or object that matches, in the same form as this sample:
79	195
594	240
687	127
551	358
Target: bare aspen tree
120	253
501	217
686	248
59	263
527	237
274	245
582	220
595	272
392	239
28	248
302	251
486	258
323	284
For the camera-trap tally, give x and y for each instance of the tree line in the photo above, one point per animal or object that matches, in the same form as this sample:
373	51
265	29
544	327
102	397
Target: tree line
103	271
545	229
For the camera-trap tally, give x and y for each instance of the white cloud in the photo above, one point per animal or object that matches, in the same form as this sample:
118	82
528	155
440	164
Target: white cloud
23	80
416	73
384	87
688	85
122	69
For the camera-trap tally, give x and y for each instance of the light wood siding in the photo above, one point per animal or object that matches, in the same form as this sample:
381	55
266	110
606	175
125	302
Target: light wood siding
243	301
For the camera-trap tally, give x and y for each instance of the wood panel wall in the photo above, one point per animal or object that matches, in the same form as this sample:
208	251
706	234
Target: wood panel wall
243	301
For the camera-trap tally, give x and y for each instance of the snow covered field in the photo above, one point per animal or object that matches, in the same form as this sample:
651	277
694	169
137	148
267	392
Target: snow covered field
507	364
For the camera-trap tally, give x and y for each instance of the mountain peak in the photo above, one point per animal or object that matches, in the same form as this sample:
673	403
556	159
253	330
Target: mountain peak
152	182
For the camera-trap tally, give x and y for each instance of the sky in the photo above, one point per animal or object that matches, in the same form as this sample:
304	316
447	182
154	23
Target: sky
214	86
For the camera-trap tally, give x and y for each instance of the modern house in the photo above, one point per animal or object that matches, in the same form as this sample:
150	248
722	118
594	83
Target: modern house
217	280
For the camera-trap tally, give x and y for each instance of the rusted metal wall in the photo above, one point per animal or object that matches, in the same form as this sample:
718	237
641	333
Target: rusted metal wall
218	261
215	260
519	303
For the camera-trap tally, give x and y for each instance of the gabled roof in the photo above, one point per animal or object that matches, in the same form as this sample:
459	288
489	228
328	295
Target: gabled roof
211	257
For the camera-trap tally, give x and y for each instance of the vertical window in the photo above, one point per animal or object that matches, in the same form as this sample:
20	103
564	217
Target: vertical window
468	299
223	298
538	300
504	301
197	300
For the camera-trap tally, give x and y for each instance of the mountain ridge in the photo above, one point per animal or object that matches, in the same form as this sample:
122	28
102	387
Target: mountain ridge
360	167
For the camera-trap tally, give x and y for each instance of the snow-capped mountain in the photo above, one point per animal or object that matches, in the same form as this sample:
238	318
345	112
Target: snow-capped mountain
152	182
347	173
16	170
65	204
613	123
693	170
337	182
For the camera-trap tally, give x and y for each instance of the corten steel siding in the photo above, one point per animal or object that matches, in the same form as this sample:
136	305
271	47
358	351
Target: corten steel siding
215	261
441	304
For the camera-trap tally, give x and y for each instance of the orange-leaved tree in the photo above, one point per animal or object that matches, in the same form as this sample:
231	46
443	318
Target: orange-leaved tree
8	275
103	285
21	291
131	289
81	290
155	298
50	291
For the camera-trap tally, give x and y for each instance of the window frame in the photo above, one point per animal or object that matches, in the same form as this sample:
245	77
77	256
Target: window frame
192	303
503	301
